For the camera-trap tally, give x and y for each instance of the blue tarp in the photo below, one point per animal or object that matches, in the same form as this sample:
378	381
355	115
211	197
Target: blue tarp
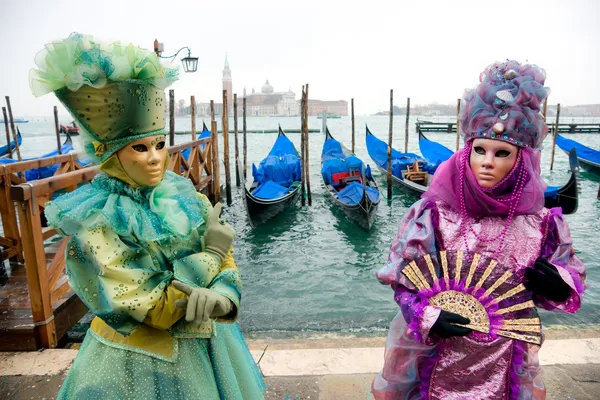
336	161
583	152
281	166
552	191
434	153
353	193
270	190
43	172
204	134
378	151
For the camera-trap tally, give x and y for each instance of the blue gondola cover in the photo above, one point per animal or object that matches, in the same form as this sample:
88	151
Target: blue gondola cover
583	152
378	151
281	166
353	193
270	190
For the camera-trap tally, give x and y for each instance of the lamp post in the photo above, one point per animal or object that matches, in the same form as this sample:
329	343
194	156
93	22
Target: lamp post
190	64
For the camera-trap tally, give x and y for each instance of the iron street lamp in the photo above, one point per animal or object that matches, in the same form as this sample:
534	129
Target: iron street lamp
190	64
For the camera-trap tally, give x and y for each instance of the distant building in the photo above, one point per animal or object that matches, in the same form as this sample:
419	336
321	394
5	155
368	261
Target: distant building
268	102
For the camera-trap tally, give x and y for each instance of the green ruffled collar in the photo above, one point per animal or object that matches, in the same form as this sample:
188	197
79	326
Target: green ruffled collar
170	209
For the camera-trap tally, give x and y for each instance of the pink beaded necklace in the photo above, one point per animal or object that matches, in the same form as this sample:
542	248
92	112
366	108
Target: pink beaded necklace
465	224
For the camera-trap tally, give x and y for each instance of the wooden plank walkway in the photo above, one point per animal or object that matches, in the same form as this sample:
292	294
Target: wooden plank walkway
450	127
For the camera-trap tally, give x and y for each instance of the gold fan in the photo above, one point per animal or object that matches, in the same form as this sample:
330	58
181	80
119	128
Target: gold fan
490	295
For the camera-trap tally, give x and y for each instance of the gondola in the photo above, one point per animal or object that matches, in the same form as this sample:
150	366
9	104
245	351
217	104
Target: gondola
566	197
4	149
409	170
42	172
349	184
589	159
276	182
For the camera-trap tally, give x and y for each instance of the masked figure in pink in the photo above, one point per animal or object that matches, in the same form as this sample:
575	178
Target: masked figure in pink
489	199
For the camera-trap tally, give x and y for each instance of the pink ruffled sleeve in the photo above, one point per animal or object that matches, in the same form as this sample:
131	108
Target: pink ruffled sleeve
416	237
558	250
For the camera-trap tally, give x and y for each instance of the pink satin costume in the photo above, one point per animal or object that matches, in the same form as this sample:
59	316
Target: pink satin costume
419	367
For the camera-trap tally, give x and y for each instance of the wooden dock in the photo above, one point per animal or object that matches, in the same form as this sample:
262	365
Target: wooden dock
37	306
450	127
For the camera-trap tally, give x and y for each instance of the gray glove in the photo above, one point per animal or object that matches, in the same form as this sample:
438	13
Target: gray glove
218	236
202	303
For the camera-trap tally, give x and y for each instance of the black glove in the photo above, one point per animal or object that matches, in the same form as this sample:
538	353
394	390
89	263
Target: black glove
543	279
444	326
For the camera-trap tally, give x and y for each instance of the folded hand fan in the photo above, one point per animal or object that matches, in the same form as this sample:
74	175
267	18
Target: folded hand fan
486	292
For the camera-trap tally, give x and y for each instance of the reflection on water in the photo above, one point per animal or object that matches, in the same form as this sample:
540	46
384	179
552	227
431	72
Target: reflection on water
311	270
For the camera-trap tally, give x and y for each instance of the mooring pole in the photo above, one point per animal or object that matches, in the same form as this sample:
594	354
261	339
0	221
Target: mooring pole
245	143
193	115
12	127
171	117
237	148
302	174
306	146
226	148
406	127
554	136
457	124
7	132
57	130
352	117
389	149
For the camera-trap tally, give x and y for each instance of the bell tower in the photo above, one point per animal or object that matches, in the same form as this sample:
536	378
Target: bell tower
227	84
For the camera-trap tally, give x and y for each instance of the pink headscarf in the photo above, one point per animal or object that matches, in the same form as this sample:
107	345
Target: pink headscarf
480	202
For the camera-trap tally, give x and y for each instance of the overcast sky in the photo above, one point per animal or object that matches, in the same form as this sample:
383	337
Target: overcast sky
428	50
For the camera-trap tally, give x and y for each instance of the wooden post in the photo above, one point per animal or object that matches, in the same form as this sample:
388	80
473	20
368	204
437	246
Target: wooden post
193	112
216	165
545	108
237	149
57	130
171	117
302	171
225	123
12	127
37	273
554	137
245	143
406	127
212	111
352	117
306	142
7	132
389	149
457	124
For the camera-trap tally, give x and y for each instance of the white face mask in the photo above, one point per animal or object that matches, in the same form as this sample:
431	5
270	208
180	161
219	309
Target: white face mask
145	160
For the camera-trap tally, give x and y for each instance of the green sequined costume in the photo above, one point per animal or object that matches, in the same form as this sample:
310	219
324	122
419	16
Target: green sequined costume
127	245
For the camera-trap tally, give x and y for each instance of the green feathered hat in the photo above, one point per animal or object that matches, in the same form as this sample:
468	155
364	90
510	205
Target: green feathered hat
114	91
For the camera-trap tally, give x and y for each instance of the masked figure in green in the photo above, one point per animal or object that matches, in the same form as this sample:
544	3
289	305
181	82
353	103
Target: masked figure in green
147	254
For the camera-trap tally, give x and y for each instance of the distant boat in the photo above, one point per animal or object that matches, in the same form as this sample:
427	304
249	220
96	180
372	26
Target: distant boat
276	182
349	184
329	116
4	149
17	121
72	129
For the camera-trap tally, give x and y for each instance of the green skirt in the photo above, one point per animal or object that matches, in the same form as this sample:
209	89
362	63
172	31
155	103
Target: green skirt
218	368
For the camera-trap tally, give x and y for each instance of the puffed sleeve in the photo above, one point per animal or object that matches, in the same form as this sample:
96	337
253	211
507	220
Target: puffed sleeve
116	278
416	237
558	250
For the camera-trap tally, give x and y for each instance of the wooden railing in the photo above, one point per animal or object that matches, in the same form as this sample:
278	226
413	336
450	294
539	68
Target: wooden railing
14	174
46	279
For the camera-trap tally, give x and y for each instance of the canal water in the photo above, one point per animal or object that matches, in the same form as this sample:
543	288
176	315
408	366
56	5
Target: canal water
310	270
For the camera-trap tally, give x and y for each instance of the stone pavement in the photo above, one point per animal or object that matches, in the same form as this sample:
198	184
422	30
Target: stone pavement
328	367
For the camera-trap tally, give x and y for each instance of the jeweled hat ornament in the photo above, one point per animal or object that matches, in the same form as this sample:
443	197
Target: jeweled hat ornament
506	105
114	91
